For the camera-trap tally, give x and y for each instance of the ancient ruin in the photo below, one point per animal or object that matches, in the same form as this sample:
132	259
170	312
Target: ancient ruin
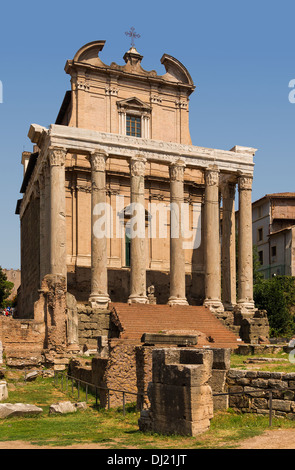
128	245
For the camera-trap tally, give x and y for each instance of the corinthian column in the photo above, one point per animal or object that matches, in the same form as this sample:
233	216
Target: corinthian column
177	260
212	242
245	255
58	262
99	297
137	226
228	250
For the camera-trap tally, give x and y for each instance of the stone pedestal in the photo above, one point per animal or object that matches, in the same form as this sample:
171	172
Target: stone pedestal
212	242
177	260
181	400
99	297
138	241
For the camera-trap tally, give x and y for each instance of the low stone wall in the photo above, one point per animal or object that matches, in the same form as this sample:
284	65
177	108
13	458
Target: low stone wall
282	386
92	323
22	339
129	368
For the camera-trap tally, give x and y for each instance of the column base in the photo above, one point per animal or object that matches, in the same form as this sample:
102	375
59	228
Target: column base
245	307
137	299
228	307
215	306
99	300
177	301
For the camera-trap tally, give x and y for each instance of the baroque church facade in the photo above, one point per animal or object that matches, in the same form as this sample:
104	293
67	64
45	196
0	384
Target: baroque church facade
121	141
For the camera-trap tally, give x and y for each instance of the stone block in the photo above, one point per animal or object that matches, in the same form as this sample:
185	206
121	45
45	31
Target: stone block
277	384
180	397
173	339
3	390
62	407
281	405
221	358
18	409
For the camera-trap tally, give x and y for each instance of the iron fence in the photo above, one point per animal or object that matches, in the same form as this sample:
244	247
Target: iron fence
141	395
65	379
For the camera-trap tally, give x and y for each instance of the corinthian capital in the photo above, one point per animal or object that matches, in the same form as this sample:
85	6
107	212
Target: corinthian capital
211	176
98	160
137	166
57	156
245	182
176	170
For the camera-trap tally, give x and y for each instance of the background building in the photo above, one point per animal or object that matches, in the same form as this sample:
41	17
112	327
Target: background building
273	233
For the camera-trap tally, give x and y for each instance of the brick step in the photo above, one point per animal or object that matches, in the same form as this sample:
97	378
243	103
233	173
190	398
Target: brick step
137	319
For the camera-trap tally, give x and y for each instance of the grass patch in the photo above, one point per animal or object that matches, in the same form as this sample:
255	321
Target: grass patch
281	363
110	429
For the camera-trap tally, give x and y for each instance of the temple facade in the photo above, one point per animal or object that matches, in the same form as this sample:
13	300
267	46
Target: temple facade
120	203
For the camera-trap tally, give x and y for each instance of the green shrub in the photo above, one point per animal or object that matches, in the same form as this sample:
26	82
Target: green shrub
277	297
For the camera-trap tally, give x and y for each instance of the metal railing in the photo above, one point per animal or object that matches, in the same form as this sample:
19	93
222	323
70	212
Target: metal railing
68	378
269	392
141	395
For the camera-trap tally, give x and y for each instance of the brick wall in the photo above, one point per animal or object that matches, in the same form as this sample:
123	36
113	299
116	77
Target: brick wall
22	338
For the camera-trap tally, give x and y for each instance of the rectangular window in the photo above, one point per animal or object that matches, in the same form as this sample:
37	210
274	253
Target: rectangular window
133	126
260	234
273	251
260	255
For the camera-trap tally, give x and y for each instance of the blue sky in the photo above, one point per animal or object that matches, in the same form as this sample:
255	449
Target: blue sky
239	54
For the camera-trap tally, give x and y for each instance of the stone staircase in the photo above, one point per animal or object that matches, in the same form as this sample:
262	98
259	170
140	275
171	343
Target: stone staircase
136	319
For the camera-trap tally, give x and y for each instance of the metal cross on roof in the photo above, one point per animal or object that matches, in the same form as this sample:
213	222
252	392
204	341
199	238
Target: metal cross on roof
132	34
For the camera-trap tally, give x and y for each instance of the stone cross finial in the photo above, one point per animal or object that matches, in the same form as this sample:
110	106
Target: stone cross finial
133	35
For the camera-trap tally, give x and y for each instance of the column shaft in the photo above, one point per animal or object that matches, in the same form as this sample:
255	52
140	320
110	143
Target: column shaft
137	226
245	253
58	262
99	277
212	242
177	259
228	250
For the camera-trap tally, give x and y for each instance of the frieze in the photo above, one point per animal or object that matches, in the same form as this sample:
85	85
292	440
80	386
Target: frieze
83	86
156	99
181	104
83	189
113	91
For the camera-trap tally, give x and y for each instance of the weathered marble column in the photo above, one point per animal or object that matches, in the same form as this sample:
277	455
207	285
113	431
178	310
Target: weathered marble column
137	226
99	297
212	241
43	232
177	260
245	254
228	250
58	261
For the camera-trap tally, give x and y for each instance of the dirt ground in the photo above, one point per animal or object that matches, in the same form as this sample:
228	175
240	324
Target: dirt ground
276	439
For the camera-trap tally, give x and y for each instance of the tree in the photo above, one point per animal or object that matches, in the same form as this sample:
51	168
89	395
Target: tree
277	296
5	287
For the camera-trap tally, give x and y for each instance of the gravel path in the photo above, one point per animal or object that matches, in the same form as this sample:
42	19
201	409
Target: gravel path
277	439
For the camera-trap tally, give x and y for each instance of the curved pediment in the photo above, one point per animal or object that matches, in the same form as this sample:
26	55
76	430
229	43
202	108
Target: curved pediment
176	71
89	53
